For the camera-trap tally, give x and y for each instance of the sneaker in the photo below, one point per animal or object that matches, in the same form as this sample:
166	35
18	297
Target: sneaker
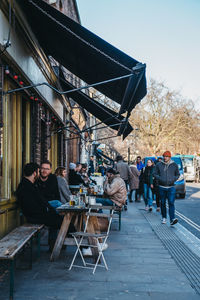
174	221
125	207
164	221
150	208
104	247
87	251
146	208
130	200
158	209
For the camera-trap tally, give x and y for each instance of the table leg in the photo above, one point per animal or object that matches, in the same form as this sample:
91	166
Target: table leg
61	236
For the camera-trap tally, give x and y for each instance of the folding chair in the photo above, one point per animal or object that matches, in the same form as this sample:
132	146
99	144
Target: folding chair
98	239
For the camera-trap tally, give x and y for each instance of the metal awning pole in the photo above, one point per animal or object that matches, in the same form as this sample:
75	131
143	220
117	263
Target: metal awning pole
66	92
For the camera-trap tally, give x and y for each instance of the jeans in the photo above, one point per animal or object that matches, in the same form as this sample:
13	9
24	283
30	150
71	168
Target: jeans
55	203
131	194
104	201
148	195
167	194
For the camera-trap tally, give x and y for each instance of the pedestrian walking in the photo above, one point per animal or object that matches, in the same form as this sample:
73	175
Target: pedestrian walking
133	181
139	192
148	185
167	172
156	194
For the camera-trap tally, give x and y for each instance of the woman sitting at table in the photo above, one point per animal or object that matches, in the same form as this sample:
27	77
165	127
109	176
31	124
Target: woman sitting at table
114	188
62	184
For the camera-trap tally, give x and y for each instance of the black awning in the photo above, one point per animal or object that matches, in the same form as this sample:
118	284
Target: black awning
99	153
85	54
98	110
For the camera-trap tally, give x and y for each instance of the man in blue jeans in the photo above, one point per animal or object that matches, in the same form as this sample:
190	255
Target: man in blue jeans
167	172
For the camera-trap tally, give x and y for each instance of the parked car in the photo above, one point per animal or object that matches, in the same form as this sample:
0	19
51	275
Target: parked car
180	183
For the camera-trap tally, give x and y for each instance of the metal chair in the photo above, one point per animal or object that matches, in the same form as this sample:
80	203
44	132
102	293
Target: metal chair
98	239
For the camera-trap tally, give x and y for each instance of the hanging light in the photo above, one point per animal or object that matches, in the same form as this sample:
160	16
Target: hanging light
7	71
36	99
32	97
15	76
21	82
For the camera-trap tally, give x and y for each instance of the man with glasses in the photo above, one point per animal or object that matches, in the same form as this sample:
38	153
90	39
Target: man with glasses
167	172
48	185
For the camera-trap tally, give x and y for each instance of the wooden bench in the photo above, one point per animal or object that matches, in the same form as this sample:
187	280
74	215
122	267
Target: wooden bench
13	242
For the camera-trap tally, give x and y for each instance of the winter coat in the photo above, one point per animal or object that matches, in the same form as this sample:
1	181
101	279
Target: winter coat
166	173
140	166
148	175
49	188
30	200
116	190
123	169
75	178
63	189
134	178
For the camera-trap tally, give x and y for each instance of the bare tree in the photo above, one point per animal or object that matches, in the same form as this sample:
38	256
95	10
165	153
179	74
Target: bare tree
163	120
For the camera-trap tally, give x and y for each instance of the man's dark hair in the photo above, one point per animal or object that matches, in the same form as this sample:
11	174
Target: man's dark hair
30	168
119	157
112	171
139	157
47	162
84	165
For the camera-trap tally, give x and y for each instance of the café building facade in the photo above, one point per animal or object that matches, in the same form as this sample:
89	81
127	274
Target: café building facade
48	61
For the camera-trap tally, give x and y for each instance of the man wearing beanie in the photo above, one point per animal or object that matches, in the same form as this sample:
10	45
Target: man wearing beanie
167	172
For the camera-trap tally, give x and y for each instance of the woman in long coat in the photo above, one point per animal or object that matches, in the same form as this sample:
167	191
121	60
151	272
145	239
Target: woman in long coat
133	181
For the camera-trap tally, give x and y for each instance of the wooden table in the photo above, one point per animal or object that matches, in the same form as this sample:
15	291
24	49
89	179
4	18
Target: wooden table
79	213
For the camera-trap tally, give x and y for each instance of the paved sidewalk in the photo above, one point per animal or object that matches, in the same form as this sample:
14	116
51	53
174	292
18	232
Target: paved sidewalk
140	267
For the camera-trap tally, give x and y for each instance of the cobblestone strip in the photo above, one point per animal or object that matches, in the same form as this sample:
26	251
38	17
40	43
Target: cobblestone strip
188	261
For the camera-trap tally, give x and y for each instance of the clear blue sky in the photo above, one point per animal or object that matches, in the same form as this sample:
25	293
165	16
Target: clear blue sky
163	34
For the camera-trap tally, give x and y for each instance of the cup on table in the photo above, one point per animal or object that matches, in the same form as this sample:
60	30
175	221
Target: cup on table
92	200
71	201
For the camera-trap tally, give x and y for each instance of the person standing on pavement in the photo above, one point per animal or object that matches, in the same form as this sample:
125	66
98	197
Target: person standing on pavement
156	193
140	190
148	185
167	172
124	171
134	181
91	166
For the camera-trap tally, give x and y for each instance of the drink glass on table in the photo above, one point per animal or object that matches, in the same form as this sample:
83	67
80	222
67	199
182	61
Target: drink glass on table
71	201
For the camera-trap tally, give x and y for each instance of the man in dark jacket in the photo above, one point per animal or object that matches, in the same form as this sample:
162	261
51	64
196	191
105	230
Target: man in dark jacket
47	183
167	172
74	175
34	207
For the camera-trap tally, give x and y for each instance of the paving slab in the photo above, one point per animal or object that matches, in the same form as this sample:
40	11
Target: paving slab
140	267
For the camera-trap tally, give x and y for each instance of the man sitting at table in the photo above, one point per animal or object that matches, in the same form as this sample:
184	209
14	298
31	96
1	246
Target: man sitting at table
34	207
114	188
74	174
48	185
